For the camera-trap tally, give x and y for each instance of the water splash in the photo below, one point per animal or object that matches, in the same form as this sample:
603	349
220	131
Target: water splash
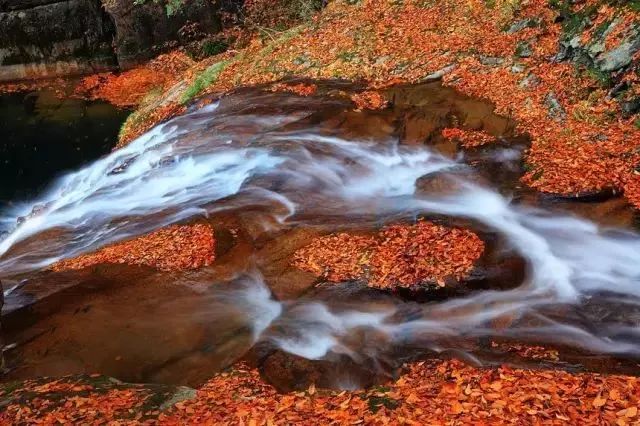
170	174
224	158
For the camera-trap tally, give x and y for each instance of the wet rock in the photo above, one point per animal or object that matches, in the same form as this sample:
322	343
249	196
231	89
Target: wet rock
491	61
141	28
121	168
498	271
127	322
524	49
442	184
530	81
554	107
588	196
419	126
50	38
522	24
348	292
2	364
289	373
35	211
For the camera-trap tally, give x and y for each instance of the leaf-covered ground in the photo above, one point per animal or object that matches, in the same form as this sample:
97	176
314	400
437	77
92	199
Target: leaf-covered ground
431	392
399	256
174	248
129	88
505	50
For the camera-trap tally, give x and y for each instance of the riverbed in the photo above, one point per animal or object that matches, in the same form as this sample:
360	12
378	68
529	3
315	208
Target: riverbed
271	171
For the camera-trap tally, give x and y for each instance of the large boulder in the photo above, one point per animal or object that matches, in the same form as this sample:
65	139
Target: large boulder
48	38
51	38
606	47
145	28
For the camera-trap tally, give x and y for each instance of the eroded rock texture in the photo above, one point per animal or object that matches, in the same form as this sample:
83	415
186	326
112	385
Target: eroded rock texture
50	38
45	38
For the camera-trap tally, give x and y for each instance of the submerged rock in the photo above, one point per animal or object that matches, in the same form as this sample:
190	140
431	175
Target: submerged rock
35	211
288	373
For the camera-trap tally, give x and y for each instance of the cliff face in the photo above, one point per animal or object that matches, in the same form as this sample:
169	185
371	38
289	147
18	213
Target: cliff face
50	38
141	29
605	41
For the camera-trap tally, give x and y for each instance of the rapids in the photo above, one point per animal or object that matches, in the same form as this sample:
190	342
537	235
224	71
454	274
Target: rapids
292	162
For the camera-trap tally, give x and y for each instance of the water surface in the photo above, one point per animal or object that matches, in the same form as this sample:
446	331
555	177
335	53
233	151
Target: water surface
271	171
44	136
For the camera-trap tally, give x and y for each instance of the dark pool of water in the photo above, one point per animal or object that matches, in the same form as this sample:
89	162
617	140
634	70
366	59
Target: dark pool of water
43	136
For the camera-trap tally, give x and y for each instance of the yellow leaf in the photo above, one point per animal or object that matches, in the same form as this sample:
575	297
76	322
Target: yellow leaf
599	401
412	398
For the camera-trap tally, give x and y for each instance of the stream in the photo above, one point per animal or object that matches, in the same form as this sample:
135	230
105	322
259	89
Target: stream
270	171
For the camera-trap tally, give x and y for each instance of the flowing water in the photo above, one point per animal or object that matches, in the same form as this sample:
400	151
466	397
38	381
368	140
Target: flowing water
279	169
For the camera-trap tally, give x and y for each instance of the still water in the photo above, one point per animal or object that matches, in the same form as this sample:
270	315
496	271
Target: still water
42	137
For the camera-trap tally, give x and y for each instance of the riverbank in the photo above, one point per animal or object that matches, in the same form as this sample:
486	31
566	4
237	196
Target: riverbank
432	392
580	115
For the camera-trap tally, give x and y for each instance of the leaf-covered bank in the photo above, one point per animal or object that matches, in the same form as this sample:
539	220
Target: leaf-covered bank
559	69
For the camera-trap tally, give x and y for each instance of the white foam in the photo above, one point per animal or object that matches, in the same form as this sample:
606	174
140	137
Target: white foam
203	163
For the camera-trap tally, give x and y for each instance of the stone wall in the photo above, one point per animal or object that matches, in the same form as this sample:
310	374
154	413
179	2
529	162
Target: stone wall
143	29
48	38
51	38
615	62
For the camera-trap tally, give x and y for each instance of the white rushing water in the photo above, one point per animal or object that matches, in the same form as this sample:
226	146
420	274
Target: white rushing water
202	163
